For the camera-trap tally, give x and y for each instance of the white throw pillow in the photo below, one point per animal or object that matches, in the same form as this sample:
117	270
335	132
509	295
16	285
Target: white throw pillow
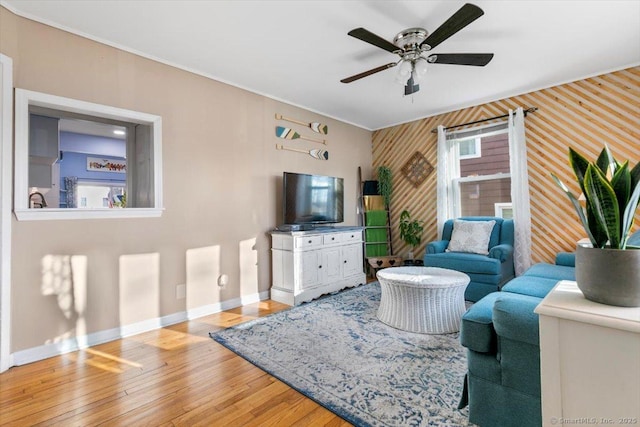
471	236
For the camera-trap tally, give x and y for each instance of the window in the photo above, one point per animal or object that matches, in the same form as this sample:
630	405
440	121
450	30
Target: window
128	168
100	195
480	178
470	148
504	210
479	186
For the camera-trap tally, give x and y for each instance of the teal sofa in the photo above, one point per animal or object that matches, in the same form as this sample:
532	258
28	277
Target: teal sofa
501	334
487	272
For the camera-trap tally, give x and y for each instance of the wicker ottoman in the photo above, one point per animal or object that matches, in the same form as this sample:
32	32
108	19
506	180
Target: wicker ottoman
426	300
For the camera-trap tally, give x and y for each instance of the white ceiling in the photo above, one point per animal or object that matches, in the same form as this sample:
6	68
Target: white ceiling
86	127
297	51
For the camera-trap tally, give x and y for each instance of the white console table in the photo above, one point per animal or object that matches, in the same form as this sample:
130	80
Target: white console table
307	264
589	360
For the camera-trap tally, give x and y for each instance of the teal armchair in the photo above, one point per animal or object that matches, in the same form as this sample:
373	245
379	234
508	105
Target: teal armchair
487	272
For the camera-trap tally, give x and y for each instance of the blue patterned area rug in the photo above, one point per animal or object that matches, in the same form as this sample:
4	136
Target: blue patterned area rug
335	351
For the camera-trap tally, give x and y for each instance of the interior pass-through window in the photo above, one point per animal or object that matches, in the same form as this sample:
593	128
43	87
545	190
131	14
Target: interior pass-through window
76	159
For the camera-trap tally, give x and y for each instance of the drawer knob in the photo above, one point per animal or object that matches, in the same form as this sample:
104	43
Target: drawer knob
333	238
345	261
319	266
309	241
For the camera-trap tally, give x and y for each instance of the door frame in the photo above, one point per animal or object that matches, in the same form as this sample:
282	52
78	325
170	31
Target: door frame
6	187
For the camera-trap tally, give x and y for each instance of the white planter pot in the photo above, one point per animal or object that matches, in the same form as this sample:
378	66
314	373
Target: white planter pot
609	276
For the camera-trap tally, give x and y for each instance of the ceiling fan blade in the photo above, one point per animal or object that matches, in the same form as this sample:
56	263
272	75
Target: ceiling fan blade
369	37
463	17
368	73
477	59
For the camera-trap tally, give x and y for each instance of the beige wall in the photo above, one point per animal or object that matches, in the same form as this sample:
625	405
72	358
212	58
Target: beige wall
221	192
584	114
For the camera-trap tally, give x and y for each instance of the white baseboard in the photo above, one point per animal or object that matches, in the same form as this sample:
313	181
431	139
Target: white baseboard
34	354
205	310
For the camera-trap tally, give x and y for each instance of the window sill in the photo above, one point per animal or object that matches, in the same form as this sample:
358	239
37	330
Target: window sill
47	214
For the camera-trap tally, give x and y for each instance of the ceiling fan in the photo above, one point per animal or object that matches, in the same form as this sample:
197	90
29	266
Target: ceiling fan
413	43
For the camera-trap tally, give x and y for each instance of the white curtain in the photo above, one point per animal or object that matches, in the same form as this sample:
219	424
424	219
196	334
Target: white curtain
520	191
444	178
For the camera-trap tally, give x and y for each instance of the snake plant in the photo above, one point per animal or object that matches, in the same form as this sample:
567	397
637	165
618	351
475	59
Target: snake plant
612	193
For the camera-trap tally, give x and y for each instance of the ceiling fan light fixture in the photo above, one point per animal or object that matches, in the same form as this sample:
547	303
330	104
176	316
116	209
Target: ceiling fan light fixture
404	71
415	77
405	67
420	66
419	69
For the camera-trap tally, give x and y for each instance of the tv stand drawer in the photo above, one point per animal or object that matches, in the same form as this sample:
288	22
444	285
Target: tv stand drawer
354	236
332	238
308	242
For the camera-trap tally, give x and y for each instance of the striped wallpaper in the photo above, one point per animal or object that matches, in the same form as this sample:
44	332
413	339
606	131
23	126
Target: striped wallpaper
584	115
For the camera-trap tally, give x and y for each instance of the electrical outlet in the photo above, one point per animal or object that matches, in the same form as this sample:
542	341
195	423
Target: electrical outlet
181	291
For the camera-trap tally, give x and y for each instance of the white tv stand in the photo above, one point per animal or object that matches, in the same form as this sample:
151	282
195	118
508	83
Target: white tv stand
307	264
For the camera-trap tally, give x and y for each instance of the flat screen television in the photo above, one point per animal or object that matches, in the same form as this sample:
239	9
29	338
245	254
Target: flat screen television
312	199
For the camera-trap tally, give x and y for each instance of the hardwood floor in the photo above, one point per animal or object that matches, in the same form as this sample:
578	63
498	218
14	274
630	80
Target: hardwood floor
175	376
